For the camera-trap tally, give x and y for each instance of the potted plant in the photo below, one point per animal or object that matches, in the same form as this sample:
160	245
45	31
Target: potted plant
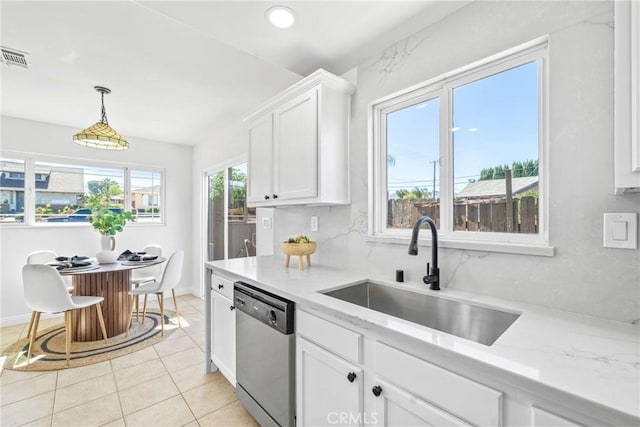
107	221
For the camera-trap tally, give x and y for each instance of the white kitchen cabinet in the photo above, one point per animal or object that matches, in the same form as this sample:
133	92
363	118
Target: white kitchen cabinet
260	160
299	145
627	96
401	390
223	331
329	389
397	407
482	405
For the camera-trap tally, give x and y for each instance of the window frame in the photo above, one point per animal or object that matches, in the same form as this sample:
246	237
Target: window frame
30	161
442	87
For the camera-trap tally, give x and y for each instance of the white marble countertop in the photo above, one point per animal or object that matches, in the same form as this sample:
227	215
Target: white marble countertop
590	358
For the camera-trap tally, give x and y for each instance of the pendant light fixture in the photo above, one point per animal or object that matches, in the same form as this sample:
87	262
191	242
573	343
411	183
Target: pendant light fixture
101	135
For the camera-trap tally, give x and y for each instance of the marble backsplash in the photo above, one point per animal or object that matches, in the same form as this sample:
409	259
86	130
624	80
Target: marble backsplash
583	276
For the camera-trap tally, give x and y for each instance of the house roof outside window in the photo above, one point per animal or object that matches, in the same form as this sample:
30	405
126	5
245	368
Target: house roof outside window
496	187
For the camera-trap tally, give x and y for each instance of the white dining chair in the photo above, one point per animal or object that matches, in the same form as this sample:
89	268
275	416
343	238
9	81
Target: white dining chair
45	257
149	274
46	292
170	279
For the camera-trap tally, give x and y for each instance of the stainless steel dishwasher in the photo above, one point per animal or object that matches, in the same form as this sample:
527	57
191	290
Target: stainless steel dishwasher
265	355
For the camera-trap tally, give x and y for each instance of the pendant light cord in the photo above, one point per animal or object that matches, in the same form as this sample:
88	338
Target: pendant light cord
104	112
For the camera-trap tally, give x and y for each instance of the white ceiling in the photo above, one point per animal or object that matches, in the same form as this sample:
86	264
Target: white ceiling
179	69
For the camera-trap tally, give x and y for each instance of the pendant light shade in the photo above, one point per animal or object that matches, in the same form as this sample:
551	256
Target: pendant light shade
100	135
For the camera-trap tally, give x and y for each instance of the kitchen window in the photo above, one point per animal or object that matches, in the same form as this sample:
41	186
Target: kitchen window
467	149
44	192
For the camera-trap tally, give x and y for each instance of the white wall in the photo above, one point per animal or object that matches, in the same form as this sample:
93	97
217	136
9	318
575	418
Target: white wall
583	276
227	145
26	136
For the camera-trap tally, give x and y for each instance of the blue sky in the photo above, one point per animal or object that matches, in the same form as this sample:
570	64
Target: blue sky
495	121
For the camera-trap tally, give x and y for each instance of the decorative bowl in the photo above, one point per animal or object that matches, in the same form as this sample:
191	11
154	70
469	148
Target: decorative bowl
301	250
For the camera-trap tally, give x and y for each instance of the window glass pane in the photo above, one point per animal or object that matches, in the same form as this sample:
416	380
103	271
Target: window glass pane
11	190
413	187
145	196
215	216
63	191
495	134
241	220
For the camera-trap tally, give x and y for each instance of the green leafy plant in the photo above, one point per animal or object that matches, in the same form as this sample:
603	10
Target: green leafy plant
298	239
106	219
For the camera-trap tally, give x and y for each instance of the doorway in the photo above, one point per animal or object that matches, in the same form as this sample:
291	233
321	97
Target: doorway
230	224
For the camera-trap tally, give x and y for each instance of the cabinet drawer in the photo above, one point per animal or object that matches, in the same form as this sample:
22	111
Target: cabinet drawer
339	340
222	286
542	418
467	399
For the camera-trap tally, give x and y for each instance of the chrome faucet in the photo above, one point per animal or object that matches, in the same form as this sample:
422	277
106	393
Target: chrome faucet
433	275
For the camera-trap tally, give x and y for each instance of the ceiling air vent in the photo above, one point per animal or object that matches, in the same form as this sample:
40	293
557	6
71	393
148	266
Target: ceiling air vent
14	57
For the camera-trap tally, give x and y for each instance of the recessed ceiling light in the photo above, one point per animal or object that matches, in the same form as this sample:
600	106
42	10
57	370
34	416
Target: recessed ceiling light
280	16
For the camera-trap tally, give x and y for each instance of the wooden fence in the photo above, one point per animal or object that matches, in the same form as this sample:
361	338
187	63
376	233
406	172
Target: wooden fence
470	215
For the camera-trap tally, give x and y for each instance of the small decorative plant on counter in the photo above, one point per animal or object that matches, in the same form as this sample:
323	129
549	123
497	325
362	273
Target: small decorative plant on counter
299	246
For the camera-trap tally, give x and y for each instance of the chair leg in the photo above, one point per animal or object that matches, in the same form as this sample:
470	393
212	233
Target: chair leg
160	296
33	315
67	330
175	304
32	337
101	319
137	302
130	316
144	308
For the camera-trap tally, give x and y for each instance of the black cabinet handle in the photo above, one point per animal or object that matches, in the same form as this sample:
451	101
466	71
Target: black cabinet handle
275	196
232	308
351	376
377	390
266	197
220	286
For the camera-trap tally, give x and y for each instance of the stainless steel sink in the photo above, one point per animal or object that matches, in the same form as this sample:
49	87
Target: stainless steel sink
473	322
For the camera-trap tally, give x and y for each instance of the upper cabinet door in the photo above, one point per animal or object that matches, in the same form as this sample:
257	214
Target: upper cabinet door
306	127
295	148
260	188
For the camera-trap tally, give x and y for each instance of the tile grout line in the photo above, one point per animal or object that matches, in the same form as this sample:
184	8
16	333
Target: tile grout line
179	391
53	403
113	373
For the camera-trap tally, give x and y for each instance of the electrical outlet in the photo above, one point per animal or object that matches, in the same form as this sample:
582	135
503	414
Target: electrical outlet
314	223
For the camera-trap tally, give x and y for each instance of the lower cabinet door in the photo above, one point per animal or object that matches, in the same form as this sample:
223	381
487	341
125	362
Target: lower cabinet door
396	407
224	336
329	389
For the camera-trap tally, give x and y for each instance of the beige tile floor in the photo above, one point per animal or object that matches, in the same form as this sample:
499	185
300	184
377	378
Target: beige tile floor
162	385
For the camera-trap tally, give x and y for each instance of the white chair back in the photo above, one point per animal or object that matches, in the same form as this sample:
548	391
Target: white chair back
44	289
41	257
153	250
172	272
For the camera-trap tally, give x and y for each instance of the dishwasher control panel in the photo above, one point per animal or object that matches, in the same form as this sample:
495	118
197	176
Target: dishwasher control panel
270	309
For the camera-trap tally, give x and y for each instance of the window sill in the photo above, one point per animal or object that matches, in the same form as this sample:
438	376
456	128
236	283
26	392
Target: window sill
502	247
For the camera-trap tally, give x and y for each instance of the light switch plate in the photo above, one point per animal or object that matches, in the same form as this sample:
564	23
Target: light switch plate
266	223
314	223
621	230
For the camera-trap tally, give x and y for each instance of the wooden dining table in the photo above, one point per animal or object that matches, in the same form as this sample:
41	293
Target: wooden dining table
112	282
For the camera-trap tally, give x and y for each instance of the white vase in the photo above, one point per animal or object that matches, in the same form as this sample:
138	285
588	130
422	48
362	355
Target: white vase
107	254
